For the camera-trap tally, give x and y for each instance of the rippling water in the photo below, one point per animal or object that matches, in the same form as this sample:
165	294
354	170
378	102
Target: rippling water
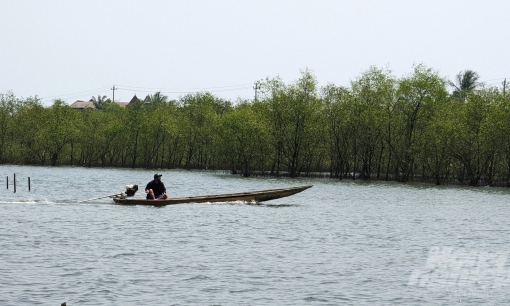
340	242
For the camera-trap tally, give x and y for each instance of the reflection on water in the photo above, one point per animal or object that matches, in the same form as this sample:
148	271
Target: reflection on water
340	242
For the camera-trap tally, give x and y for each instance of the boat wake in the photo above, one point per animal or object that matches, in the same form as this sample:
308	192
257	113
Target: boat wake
28	201
18	202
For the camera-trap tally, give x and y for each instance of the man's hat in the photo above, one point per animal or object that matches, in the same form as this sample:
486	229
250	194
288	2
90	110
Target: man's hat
157	175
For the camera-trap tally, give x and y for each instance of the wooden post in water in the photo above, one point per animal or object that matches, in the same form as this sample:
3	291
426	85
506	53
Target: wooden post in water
29	184
7	180
14	182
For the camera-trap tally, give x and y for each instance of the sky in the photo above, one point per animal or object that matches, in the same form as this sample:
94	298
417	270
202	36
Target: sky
74	50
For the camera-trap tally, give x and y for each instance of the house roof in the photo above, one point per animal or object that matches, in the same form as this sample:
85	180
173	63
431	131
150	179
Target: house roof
133	101
79	104
82	104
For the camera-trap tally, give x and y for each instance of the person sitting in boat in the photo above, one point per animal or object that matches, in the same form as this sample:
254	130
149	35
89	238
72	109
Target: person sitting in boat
155	189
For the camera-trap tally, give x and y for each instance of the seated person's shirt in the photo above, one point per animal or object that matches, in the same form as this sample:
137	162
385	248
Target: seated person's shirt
158	189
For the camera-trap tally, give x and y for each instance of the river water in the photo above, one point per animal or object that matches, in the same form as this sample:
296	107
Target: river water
338	243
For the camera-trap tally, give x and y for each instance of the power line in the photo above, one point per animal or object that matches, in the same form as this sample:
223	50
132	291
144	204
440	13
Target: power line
77	96
184	92
493	80
495	83
148	89
74	94
187	89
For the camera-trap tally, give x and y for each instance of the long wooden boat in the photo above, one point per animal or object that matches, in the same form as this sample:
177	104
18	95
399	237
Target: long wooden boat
252	196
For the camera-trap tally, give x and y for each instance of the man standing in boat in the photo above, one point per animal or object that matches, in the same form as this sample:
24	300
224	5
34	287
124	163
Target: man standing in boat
155	189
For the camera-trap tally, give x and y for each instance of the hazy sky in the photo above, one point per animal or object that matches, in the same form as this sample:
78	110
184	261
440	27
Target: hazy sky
76	49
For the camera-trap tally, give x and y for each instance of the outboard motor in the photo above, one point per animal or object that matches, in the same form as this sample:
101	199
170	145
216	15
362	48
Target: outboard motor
131	190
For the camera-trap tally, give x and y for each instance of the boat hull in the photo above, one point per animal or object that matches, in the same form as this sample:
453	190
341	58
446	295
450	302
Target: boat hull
253	196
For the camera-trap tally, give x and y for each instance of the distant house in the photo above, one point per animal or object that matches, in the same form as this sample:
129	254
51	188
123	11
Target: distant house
82	104
79	104
135	99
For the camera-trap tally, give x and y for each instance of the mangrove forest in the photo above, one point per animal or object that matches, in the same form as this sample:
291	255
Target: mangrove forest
419	127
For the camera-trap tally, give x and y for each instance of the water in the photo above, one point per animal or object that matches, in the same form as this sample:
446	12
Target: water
340	242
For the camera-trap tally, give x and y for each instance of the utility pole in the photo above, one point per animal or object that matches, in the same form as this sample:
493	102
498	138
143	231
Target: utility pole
504	87
256	87
113	90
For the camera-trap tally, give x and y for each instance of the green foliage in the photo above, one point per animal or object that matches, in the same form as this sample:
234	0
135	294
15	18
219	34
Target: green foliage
244	140
465	82
291	113
418	96
100	101
378	127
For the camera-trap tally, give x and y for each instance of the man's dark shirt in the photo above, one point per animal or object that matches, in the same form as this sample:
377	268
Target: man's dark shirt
158	189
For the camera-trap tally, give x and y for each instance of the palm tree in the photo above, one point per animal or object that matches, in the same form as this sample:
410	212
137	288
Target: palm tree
99	102
158	97
465	82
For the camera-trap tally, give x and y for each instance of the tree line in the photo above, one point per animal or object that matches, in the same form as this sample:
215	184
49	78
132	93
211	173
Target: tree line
420	127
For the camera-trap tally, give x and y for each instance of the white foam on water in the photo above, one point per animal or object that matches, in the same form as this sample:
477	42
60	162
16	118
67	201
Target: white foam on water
19	202
28	201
